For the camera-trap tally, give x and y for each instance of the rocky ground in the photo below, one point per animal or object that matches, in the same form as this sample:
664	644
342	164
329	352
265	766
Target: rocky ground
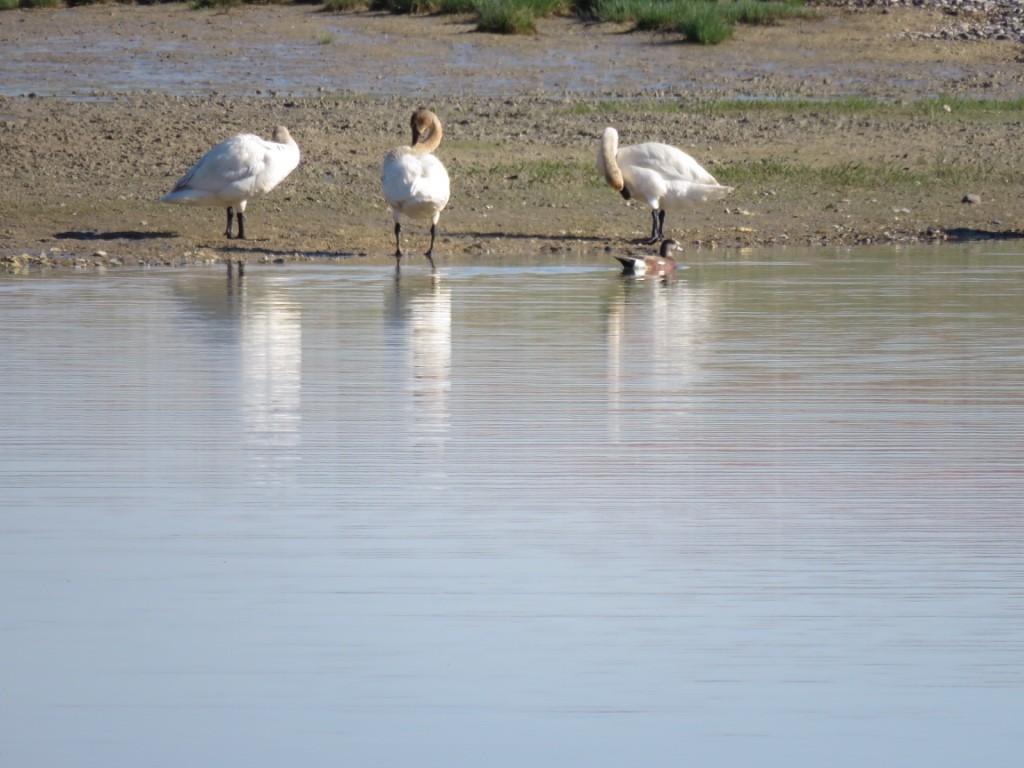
968	19
82	169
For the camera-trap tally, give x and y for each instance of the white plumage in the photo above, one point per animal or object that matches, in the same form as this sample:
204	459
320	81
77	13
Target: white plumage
414	182
235	171
664	177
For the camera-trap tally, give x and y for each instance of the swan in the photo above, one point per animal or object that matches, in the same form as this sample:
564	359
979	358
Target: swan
663	176
661	265
235	171
414	182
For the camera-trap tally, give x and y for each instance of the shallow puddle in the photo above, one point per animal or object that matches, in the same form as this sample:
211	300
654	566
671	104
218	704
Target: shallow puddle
529	513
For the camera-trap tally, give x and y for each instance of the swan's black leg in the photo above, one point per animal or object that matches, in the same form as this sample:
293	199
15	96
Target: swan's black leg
231	219
430	251
661	224
398	240
654	226
241	226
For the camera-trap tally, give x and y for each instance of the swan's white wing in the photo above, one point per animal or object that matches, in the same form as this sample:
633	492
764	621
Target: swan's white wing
432	183
277	162
646	183
415	185
397	175
235	159
670	162
682	193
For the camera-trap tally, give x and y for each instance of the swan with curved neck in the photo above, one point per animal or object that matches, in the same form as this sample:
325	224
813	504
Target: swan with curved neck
236	170
664	177
414	182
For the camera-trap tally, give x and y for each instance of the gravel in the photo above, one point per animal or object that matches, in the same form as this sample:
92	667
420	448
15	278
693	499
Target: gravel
969	19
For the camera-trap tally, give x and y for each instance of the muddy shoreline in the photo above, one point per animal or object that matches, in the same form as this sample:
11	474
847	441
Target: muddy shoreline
86	156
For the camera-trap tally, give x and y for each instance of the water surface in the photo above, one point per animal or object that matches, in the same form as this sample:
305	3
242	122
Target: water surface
521	514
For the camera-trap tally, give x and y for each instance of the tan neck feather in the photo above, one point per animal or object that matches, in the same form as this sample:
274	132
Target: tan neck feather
606	159
430	135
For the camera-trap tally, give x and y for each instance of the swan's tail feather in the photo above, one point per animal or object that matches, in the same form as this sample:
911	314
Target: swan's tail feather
187	197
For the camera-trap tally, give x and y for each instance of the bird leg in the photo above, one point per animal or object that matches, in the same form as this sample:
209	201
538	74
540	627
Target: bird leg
398	240
241	226
231	219
657	226
430	251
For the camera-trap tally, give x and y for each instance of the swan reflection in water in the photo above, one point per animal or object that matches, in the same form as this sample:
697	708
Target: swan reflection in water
254	322
656	330
271	348
419	317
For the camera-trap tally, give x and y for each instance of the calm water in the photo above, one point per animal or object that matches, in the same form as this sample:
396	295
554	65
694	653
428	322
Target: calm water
527	514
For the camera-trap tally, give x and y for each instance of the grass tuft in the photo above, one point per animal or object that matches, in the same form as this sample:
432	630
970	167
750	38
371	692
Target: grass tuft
515	17
700	21
343	6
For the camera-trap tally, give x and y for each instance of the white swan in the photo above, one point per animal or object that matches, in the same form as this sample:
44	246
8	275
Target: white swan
414	182
661	265
663	176
235	171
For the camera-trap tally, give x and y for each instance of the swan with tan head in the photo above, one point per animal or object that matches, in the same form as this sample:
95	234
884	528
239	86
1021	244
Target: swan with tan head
414	182
235	171
664	177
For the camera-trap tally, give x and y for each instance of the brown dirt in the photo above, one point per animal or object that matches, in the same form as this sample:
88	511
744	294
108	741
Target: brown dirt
86	149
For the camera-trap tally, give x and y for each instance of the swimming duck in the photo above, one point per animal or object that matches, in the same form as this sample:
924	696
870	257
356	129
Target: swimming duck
661	265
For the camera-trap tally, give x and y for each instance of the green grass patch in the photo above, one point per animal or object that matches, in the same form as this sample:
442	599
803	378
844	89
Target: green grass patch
8	6
343	6
534	173
213	4
860	175
938	107
516	17
700	21
453	7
